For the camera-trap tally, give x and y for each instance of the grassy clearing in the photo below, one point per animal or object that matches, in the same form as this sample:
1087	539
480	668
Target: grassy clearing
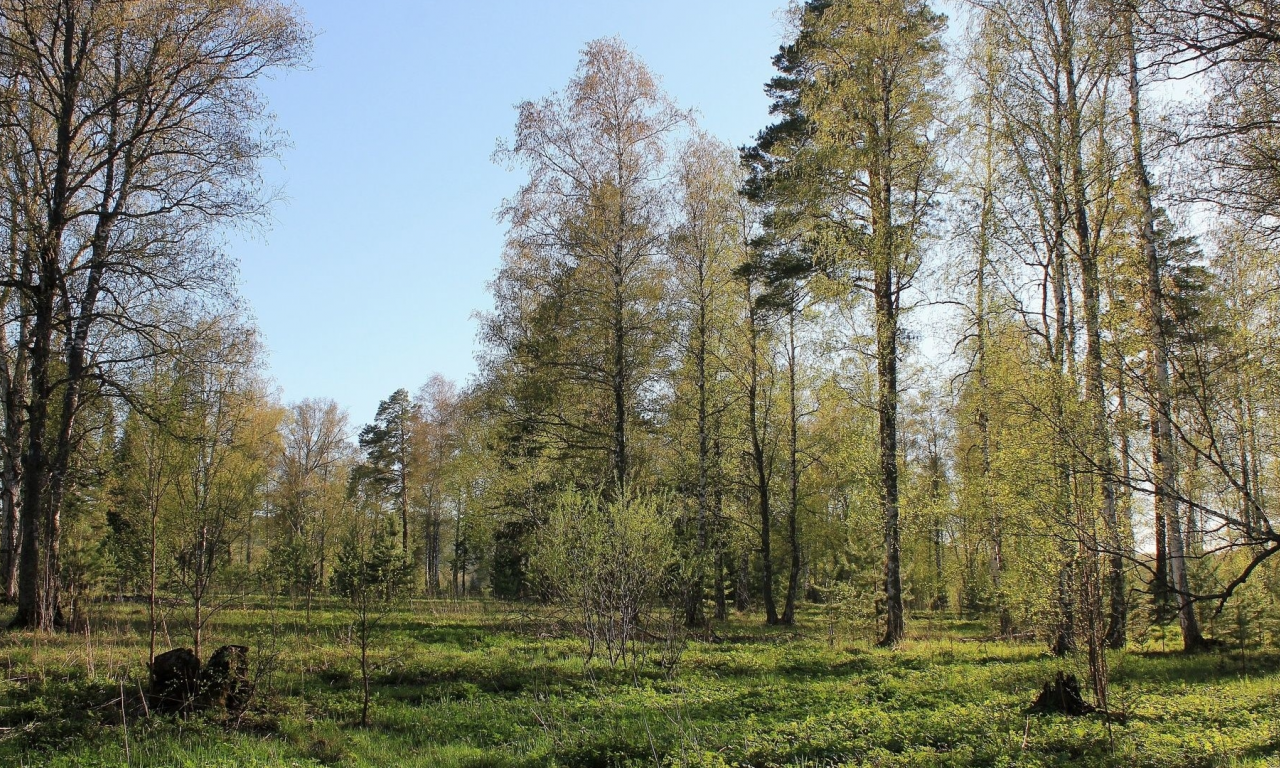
478	684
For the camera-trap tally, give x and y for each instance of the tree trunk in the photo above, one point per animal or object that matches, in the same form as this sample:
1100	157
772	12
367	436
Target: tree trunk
457	551
434	546
694	611
986	225
619	385
152	580
37	597
1060	355
1163	454
880	193
1095	394
404	503
721	600
793	472
14	382
887	408
364	673
10	483
44	474
721	555
759	460
9	539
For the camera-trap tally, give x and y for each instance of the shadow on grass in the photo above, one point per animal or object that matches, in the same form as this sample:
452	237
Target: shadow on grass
1206	667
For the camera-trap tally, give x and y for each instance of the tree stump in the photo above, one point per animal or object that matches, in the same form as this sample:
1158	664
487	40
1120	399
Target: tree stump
174	681
224	681
1062	695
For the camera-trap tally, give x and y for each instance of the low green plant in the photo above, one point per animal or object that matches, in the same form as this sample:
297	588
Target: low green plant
373	575
479	683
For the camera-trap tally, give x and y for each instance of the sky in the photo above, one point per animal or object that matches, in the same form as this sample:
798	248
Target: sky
369	272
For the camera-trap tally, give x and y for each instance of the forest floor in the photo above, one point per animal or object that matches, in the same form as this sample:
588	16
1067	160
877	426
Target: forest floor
483	684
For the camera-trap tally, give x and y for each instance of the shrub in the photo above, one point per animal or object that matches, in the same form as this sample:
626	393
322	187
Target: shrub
608	564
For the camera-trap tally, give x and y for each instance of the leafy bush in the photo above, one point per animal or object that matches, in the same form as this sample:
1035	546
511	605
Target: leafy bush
608	563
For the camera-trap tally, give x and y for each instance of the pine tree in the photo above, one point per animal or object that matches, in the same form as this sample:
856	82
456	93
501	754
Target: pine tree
851	167
388	447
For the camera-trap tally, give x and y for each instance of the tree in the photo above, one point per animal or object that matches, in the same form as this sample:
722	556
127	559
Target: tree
608	562
310	490
436	440
582	272
785	274
372	574
1229	49
851	167
13	396
226	436
979	187
470	480
706	245
1049	76
1221	337
145	470
757	385
133	129
1163	452
1216	394
390	462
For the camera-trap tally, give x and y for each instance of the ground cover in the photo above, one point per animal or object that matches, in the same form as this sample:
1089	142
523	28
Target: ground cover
487	684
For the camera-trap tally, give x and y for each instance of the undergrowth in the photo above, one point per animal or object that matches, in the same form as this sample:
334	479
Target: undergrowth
480	684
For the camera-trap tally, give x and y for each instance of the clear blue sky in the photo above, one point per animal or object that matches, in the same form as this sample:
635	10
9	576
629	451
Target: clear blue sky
367	277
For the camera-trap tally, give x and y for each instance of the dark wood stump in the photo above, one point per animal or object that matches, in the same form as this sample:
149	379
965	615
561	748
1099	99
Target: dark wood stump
174	681
1062	696
224	681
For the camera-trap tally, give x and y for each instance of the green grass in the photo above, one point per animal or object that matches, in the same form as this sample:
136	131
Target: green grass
478	684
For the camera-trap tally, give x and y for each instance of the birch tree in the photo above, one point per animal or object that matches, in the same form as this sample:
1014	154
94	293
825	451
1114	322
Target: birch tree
585	248
705	247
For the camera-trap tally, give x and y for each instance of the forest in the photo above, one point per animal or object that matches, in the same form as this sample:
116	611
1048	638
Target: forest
937	426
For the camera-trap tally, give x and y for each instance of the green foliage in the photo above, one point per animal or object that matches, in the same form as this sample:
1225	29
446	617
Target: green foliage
608	563
387	444
292	568
371	568
510	560
468	684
